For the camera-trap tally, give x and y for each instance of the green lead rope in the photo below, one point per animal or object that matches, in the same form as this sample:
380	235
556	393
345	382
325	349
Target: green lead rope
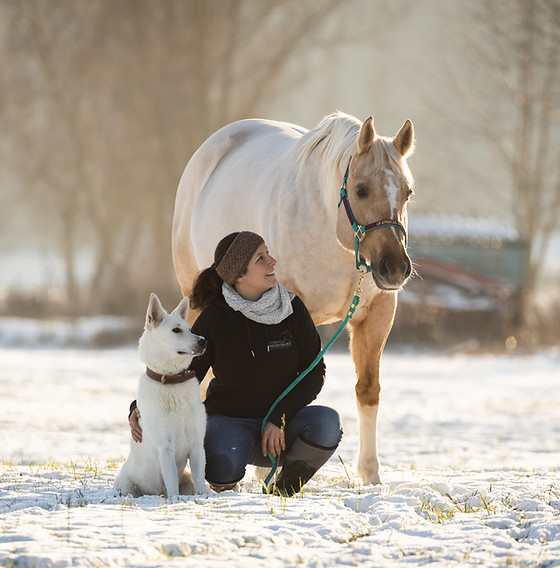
303	374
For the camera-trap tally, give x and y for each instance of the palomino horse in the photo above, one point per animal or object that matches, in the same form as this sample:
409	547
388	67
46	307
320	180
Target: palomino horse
284	182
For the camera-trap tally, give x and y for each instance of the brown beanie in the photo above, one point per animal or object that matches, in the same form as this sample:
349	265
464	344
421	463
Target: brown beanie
237	257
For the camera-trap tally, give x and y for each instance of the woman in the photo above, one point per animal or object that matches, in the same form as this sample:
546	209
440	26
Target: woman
260	338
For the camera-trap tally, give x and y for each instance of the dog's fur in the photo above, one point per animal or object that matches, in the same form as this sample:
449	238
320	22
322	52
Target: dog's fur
172	416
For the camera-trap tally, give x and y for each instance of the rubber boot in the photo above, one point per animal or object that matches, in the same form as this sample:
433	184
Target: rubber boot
301	463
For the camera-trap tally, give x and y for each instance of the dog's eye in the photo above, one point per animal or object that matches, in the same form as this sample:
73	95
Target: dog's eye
177	330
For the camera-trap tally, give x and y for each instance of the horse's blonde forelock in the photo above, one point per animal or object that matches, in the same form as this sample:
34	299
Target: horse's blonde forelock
385	152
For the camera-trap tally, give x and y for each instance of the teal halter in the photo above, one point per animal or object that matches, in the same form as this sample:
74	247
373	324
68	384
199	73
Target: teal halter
361	230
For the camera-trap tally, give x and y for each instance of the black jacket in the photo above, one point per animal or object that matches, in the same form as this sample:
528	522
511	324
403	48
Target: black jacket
253	363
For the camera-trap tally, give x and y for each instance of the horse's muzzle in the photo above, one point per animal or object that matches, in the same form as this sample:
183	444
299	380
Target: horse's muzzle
391	273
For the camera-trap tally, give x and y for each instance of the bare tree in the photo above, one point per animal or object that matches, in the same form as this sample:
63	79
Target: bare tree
42	117
512	87
111	98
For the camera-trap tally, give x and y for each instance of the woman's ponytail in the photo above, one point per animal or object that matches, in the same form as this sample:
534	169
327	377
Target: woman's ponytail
208	284
206	288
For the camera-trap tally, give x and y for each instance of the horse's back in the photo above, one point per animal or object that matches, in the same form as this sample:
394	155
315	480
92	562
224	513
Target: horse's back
234	141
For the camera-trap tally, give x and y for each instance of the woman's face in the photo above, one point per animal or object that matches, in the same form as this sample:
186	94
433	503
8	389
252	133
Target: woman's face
259	277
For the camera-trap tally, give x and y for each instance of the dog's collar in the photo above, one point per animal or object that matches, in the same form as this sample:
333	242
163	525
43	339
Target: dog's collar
171	379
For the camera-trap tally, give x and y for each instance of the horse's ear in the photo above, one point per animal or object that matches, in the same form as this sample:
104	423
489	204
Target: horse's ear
155	313
404	140
367	133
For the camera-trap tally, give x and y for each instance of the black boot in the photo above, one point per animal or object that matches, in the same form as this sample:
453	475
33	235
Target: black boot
301	463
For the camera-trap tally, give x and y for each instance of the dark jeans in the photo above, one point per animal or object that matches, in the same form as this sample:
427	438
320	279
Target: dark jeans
233	443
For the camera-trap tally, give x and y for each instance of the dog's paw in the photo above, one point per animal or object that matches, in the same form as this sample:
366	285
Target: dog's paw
201	489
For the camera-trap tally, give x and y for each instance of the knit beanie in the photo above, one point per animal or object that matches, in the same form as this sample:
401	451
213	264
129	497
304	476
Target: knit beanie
237	257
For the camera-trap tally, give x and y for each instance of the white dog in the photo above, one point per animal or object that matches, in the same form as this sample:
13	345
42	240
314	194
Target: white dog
172	416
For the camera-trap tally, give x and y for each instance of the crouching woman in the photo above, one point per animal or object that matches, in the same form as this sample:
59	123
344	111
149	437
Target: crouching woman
260	338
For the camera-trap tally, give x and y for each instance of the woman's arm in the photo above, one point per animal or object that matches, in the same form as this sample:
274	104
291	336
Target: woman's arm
309	345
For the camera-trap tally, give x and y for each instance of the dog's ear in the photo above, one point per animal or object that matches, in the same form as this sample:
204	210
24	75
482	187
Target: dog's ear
183	308
155	313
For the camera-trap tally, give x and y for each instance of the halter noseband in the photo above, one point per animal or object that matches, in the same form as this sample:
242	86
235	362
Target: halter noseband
361	230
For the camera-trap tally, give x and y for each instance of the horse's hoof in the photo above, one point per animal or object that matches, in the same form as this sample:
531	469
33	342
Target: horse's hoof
369	477
373	480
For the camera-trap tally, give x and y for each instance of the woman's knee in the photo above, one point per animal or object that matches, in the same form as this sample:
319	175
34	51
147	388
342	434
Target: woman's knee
221	468
323	426
227	444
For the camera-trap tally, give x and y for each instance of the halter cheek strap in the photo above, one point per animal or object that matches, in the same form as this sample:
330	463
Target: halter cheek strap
361	230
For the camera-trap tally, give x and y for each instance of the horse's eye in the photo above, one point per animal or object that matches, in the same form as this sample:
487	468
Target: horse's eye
409	193
362	191
177	330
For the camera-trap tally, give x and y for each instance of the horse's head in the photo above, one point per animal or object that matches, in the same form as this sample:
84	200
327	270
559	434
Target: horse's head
379	186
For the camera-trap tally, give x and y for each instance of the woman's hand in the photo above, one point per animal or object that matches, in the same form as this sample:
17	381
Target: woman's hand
135	429
273	440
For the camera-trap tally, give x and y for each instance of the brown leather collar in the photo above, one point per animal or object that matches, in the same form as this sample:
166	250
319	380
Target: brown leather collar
171	379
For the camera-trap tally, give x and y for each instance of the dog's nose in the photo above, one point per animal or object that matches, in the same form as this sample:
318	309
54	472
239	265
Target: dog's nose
202	342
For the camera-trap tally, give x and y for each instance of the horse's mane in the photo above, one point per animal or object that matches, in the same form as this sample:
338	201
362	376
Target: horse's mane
335	137
339	131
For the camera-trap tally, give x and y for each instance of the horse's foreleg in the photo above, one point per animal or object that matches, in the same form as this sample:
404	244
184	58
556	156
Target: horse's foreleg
368	337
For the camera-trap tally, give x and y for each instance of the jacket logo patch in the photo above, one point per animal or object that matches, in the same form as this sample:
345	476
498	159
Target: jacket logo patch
277	345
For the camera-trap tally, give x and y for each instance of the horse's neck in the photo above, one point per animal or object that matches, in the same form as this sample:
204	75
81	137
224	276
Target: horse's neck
320	183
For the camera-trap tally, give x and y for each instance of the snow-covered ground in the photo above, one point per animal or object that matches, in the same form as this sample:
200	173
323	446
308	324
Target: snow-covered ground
469	447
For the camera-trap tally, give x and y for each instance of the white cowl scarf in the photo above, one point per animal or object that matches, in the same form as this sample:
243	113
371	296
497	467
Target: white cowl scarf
274	306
